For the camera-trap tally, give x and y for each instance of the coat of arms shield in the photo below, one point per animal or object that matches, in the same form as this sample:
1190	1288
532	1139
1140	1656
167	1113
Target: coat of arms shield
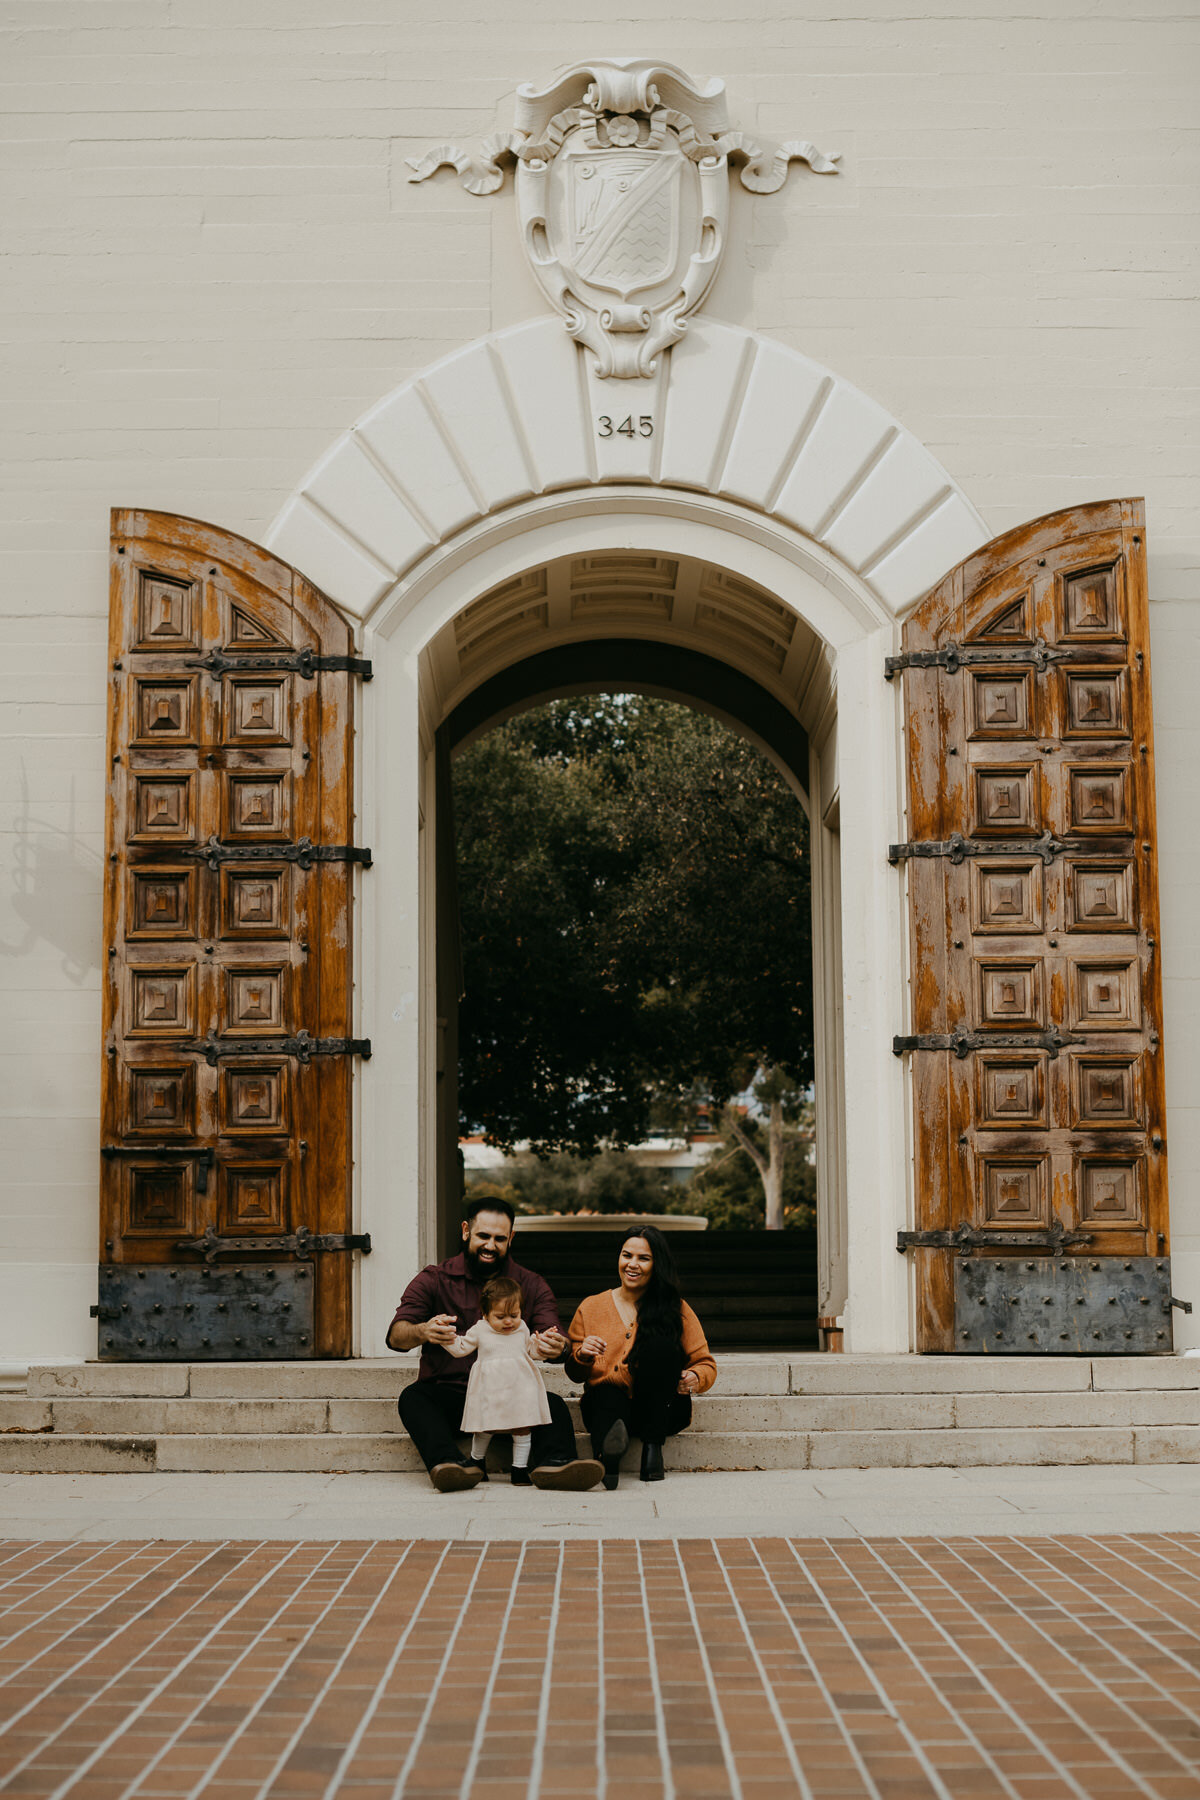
623	211
615	223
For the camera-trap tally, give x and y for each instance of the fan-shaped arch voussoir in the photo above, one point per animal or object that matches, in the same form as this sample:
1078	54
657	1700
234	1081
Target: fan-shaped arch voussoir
730	414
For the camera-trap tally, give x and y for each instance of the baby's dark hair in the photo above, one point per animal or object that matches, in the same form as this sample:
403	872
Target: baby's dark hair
497	1292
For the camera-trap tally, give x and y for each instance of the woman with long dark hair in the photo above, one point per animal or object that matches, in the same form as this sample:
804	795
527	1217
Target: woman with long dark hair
641	1351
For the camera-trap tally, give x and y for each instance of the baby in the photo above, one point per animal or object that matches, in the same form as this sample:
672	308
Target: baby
505	1391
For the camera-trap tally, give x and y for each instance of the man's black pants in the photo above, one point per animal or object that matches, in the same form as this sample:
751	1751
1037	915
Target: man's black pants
650	1416
431	1413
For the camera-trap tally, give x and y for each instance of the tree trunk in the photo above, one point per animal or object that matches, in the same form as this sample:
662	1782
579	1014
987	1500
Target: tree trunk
772	1175
770	1167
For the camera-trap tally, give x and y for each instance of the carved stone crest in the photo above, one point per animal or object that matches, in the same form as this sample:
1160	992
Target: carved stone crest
623	172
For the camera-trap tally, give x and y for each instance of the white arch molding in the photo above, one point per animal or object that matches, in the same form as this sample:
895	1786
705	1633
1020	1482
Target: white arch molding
489	469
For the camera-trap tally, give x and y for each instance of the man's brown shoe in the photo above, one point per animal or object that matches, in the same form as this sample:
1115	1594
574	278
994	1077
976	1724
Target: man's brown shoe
570	1477
453	1477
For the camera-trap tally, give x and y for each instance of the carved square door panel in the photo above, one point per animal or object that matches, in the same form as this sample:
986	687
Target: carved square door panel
161	903
255	903
163	808
1011	1091
1092	606
161	1001
162	1099
257	710
1035	1044
230	728
1106	1092
1007	800
255	1099
1112	1192
1097	703
167	614
1100	895
1100	800
255	1198
1010	993
1003	704
1106	996
1015	1191
257	806
256	1000
158	1198
166	710
1007	897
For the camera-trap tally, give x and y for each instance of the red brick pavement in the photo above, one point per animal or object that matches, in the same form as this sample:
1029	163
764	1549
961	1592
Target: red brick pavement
755	1668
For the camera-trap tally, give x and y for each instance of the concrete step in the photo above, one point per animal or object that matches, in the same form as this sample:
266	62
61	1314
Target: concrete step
380	1378
137	1416
363	1379
710	1450
765	1413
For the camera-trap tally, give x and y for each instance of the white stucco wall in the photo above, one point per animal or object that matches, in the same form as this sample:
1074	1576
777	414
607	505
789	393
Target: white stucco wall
216	265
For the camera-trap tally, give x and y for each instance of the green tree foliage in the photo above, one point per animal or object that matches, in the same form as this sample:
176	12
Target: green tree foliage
634	905
612	1181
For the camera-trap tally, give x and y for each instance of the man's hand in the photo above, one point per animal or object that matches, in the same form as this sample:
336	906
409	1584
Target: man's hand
689	1382
550	1343
441	1329
590	1349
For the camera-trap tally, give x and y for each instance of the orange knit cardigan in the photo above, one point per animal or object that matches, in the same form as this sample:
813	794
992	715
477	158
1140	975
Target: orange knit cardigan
598	1317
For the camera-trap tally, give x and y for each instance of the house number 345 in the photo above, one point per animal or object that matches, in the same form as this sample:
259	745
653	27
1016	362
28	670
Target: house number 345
628	427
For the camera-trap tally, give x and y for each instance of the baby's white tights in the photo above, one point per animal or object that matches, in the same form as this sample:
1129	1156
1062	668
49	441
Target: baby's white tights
521	1440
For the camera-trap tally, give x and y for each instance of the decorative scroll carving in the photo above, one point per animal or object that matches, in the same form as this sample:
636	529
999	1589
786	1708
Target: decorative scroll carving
480	174
623	196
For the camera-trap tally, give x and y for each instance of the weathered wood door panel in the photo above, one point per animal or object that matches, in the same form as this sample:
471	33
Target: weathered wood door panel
227	1008
1033	900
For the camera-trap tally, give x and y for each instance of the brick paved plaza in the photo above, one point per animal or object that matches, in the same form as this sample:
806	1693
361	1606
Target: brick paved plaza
756	1667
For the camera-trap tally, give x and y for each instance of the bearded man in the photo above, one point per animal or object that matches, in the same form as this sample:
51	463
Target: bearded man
442	1301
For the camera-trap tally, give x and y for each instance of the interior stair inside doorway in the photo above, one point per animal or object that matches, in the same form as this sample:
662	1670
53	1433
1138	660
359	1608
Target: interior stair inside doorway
795	1411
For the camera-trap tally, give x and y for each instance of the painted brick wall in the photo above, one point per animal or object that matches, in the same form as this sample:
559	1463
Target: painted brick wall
215	263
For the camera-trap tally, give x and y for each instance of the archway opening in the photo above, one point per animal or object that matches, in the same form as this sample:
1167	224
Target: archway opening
675	630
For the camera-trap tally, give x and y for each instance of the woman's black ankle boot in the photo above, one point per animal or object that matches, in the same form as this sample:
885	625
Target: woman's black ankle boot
652	1463
616	1443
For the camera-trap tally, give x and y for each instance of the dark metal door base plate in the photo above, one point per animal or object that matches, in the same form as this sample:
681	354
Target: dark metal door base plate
260	1312
1062	1305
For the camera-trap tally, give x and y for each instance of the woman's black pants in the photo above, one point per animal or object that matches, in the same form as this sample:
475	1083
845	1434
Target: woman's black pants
651	1416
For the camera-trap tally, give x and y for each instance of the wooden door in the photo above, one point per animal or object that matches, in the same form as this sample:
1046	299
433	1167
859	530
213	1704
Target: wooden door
227	1007
1037	1065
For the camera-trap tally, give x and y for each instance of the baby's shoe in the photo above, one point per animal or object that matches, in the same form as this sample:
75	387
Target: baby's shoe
520	1478
480	1463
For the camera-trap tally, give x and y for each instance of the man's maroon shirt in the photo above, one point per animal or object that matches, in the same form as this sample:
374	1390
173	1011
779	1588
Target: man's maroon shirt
447	1288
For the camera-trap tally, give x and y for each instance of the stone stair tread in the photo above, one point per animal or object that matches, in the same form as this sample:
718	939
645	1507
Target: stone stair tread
727	1450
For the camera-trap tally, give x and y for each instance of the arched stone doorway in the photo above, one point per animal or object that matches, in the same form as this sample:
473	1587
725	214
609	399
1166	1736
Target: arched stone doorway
625	583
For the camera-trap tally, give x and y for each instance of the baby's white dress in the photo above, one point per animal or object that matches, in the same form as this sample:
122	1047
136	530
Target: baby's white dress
505	1391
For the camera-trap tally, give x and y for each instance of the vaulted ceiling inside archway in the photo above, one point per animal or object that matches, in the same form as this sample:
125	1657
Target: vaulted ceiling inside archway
631	594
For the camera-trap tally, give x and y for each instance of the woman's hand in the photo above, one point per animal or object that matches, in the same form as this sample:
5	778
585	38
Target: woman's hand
590	1349
689	1382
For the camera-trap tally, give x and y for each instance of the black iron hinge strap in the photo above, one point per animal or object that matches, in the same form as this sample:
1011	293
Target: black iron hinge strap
952	657
212	1048
301	1243
963	1042
303	852
299	662
965	1238
204	1153
957	848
